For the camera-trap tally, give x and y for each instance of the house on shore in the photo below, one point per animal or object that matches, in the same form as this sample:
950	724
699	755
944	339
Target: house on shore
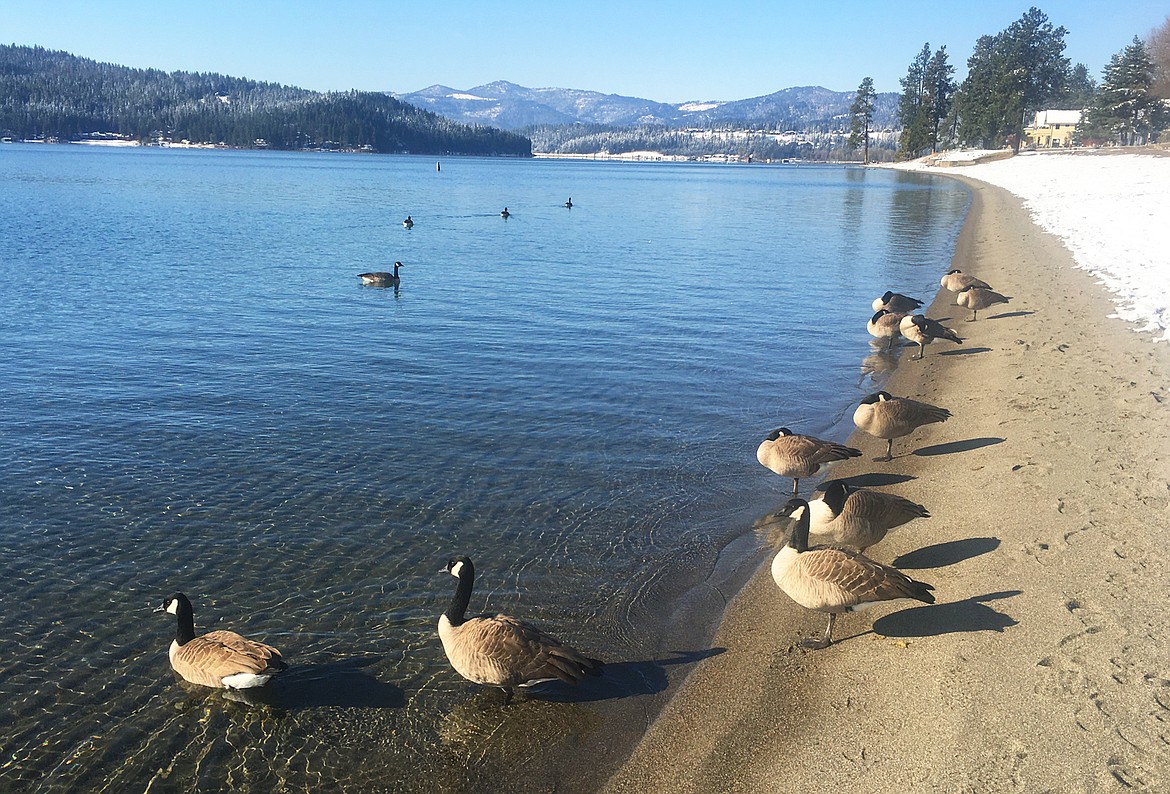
1052	129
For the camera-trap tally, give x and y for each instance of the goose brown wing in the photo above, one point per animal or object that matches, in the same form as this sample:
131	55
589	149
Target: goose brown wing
524	653
909	412
882	509
858	579
816	451
211	657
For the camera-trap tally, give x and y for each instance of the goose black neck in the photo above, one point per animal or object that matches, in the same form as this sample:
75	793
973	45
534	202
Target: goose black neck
799	540
458	607
185	619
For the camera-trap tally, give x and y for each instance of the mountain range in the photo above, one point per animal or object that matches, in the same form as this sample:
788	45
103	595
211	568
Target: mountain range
512	107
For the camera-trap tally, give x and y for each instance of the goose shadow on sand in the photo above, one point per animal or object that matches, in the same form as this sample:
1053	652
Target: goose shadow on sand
873	480
964	351
622	679
951	447
1008	314
941	555
966	616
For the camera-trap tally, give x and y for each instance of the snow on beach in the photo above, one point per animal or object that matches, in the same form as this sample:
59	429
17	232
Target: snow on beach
1111	210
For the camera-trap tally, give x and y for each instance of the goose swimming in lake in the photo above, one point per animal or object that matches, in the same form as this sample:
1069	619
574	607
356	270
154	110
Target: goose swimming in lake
500	650
896	302
922	330
856	517
793	455
885	416
976	298
835	580
221	659
380	278
885	325
408	223
955	280
569	203
504	213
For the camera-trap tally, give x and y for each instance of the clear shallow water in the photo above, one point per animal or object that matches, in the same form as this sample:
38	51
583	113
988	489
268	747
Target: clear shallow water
199	395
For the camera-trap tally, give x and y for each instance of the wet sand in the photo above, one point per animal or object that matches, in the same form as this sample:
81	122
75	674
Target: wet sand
1044	664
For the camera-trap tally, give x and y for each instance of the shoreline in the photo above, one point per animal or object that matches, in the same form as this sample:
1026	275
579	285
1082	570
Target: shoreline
1041	666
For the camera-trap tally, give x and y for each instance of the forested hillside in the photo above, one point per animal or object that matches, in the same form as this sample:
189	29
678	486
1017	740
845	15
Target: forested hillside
47	94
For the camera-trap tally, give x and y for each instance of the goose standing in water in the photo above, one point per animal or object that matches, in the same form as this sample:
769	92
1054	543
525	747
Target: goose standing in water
885	324
220	659
500	650
857	517
505	214
793	455
380	278
408	223
885	416
922	330
976	298
896	303
835	580
955	280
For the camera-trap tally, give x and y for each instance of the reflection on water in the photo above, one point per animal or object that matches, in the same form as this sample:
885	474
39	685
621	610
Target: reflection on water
200	396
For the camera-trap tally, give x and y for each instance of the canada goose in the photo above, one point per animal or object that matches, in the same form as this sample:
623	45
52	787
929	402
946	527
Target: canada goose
504	213
792	455
408	223
976	298
885	325
501	650
569	203
221	659
381	278
896	302
857	517
833	579
955	280
922	330
885	416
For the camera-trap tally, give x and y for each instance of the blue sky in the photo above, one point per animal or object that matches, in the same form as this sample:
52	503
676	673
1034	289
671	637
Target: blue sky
666	51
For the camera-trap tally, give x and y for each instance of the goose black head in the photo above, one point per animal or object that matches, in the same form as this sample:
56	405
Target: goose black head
460	566
780	431
879	314
953	272
175	604
875	398
836	492
889	294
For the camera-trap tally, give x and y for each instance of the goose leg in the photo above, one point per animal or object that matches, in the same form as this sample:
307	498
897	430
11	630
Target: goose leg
921	352
795	485
889	451
508	691
825	641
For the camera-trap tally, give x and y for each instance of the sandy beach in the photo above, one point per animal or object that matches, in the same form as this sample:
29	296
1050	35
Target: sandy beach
1043	666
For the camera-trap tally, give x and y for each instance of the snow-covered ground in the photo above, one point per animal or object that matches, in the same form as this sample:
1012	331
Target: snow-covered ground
1111	210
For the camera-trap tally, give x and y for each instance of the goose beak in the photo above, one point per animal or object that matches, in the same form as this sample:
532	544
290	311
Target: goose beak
160	608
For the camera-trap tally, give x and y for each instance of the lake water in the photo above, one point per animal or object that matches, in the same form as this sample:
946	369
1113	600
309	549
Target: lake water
200	395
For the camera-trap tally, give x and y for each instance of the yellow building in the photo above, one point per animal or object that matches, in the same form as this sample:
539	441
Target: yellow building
1052	129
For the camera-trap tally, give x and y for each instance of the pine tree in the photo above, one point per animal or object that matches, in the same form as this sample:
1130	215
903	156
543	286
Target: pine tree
1079	90
1125	107
938	90
861	113
912	111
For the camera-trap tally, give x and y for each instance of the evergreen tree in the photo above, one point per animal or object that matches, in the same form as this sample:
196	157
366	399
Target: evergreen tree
1010	76
1079	90
861	115
913	113
1125	107
1036	69
938	91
